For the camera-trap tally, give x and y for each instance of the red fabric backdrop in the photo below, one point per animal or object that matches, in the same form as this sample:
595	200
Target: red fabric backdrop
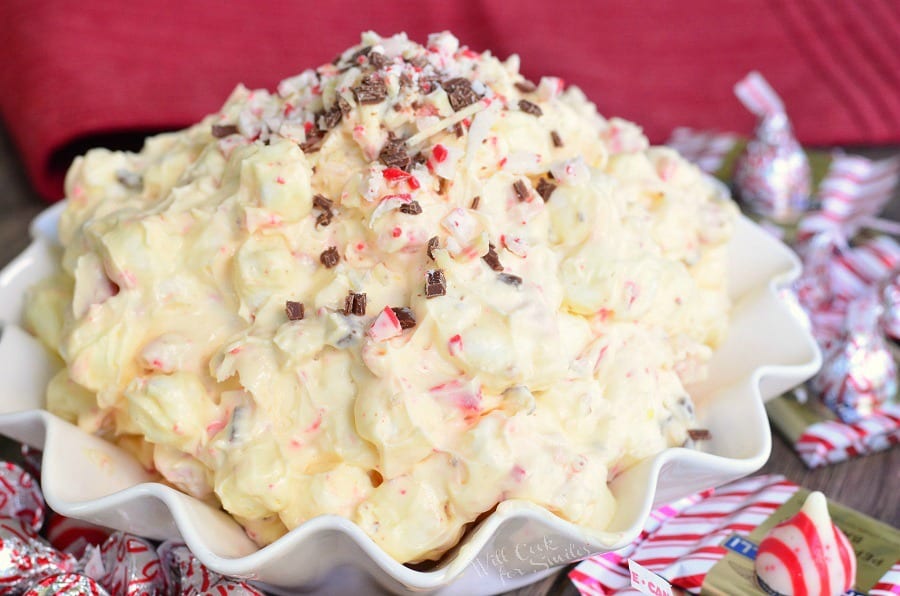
73	73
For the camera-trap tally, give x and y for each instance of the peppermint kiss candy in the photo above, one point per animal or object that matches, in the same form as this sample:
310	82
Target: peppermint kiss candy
187	576
772	175
130	566
24	557
806	555
66	584
859	374
20	496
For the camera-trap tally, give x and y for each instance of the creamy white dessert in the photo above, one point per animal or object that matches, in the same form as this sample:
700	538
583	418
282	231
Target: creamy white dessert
405	287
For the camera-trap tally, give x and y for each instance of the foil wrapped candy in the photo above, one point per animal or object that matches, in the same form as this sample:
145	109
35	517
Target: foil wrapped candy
850	292
772	174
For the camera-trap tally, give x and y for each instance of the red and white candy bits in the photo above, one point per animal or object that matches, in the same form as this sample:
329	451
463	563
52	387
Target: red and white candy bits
131	567
189	578
806	555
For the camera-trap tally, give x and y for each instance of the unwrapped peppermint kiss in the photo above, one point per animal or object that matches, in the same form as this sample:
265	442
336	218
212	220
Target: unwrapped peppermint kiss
807	554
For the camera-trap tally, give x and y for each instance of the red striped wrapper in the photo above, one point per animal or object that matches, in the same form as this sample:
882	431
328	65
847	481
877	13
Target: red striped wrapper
682	541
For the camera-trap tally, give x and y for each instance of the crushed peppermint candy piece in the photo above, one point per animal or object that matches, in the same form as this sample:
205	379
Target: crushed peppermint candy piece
435	283
330	257
385	326
294	310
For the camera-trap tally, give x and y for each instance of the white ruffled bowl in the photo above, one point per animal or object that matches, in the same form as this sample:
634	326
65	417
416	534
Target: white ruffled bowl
768	350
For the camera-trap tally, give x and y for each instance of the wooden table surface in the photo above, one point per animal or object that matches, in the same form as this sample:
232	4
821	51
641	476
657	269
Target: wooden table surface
870	484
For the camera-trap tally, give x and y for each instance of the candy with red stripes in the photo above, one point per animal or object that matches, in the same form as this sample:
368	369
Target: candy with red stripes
772	174
807	554
187	576
74	535
67	584
20	496
25	557
130	566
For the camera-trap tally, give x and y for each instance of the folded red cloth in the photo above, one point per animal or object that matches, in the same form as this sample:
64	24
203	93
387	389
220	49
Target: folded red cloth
76	73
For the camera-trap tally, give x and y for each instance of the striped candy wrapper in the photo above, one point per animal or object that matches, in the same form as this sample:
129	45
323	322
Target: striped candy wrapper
681	542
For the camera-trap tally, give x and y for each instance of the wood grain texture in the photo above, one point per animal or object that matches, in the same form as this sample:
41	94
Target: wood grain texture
870	484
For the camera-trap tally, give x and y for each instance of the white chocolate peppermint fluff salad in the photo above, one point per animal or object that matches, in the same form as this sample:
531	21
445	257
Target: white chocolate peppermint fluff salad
403	288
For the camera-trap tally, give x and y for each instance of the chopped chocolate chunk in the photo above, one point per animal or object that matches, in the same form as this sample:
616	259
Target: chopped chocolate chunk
332	117
419	61
355	304
129	179
435	283
313	142
460	93
223	130
294	310
394	154
475	202
508	278
427	84
526	86
545	188
443	184
411	208
343	105
521	190
330	257
323	203
459	130
405	317
699	434
530	108
370	90
420	159
492	258
360	52
324	219
433	243
557	141
378	60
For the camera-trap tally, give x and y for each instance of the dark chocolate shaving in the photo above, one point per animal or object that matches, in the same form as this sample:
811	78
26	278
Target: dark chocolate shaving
323	203
557	141
427	84
405	317
419	61
411	208
370	90
460	93
378	60
330	257
475	202
223	130
313	142
530	108
360	52
521	190
545	188
394	154
492	258
443	184
459	130
332	117
699	434
435	283
324	219
129	179
507	278
294	310
526	86
355	304
433	243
